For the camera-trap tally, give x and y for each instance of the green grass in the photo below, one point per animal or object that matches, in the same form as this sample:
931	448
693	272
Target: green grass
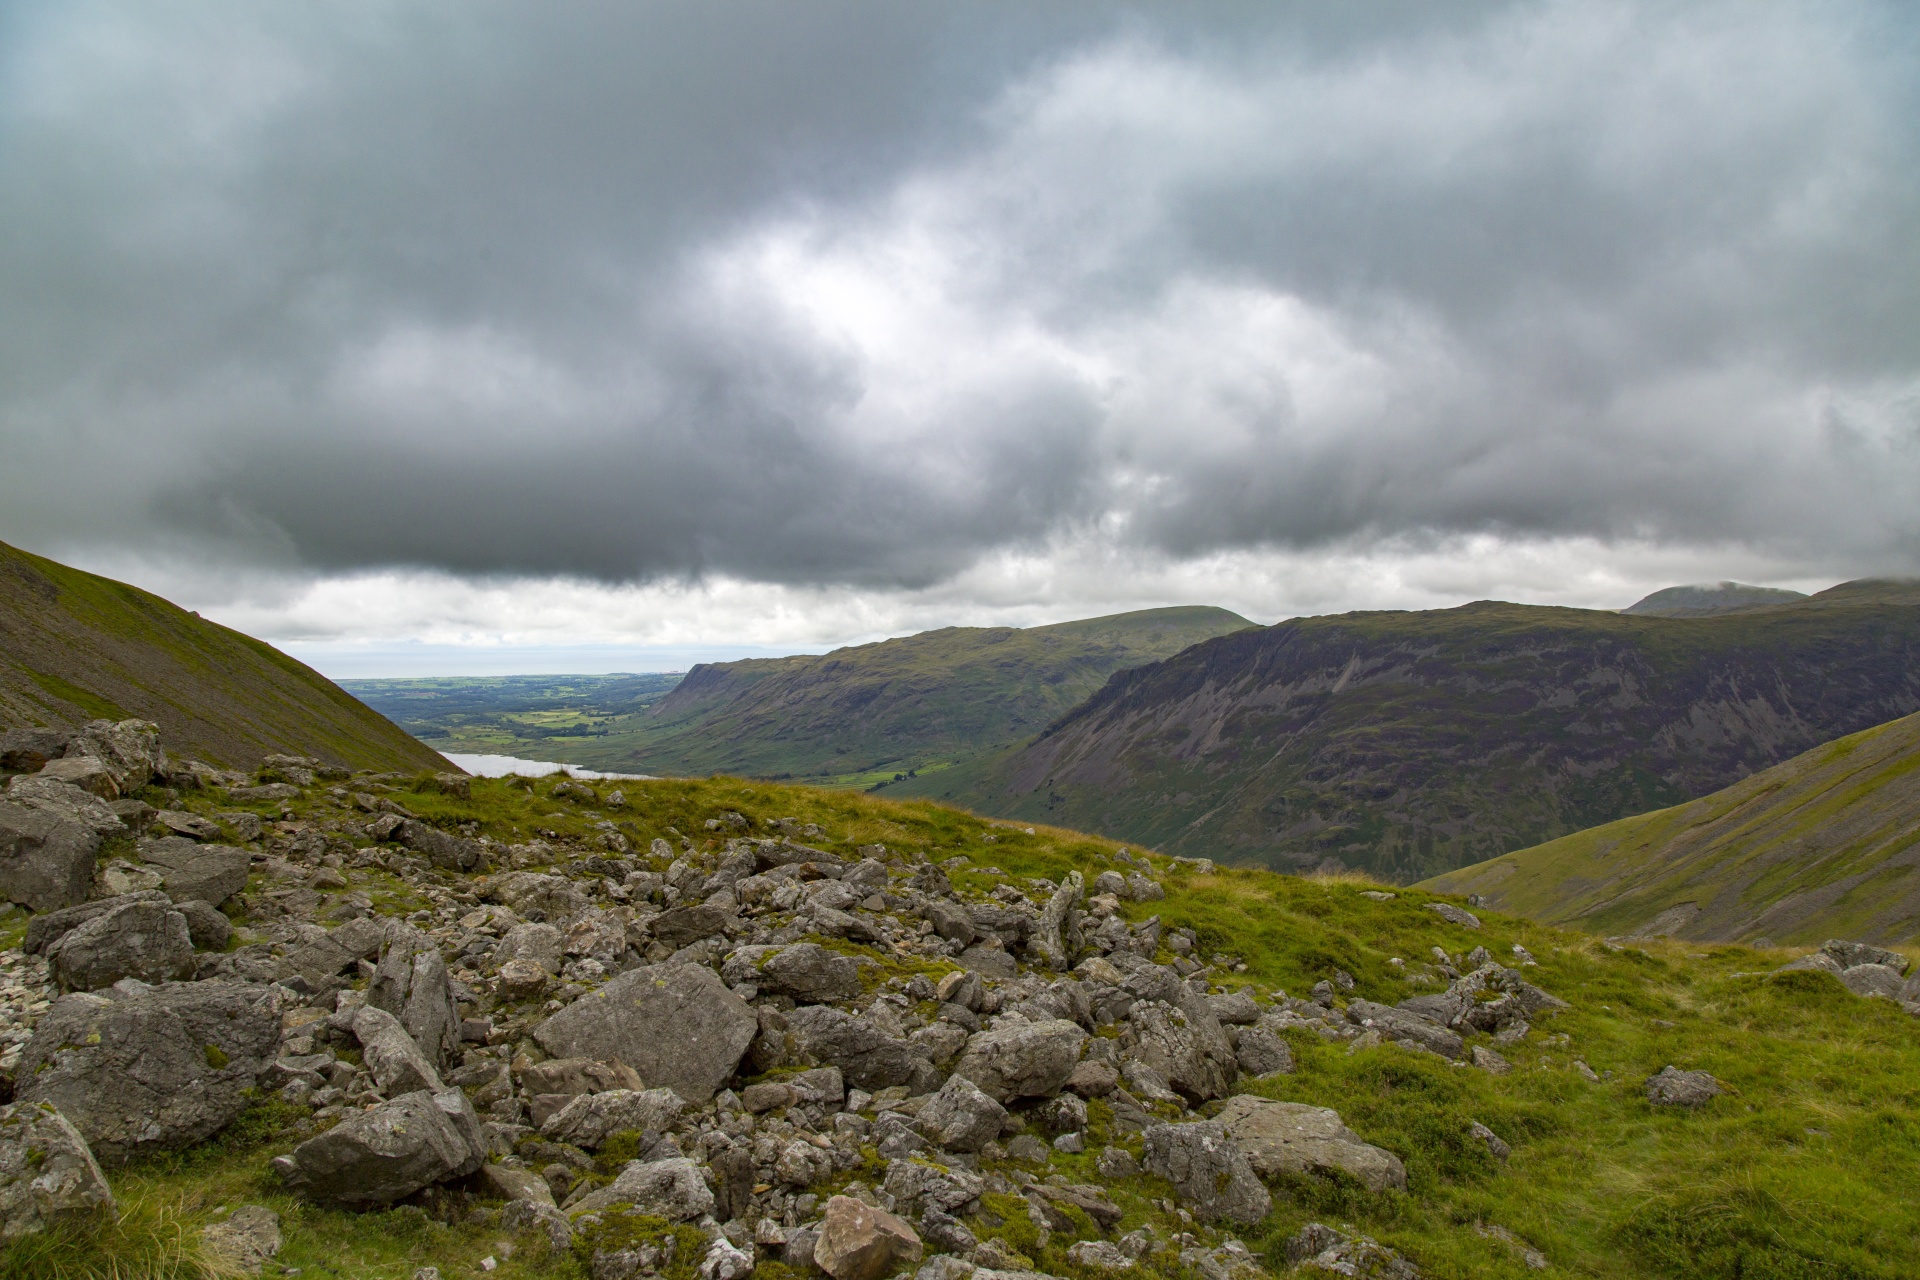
1818	846
1803	1170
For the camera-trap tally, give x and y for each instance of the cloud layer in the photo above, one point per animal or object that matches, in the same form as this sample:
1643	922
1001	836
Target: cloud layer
866	303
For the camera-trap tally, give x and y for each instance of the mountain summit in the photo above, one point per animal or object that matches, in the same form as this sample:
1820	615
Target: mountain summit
1711	597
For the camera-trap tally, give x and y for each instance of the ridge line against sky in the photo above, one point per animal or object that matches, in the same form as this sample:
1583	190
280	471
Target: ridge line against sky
413	325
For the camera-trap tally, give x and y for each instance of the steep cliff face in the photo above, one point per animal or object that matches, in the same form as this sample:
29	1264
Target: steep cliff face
1412	743
928	699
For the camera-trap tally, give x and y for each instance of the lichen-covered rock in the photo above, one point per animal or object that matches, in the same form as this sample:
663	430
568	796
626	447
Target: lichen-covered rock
1672	1087
140	1067
961	1117
673	1189
1260	1052
129	748
1209	1172
381	1155
860	1242
810	973
143	939
541	945
1324	1249
676	1024
191	870
1184	1044
48	1176
591	1118
869	1057
412	983
392	1058
1291	1137
50	836
1022	1060
1407	1028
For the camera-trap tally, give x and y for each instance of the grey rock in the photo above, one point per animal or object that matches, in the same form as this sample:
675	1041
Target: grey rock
1022	1060
49	927
207	926
950	920
869	1057
1455	915
860	1242
384	1154
571	1077
1672	1087
1489	1061
1048	942
672	1189
1209	1172
1291	1137
1324	1249
541	944
1406	1028
413	985
191	870
919	1185
151	1067
810	973
1260	1052
89	773
48	1176
49	838
1497	1148
25	750
961	1117
191	825
677	1025
1184	1044
448	852
555	898
1814	961
247	1239
1234	1008
683	926
392	1058
1873	980
1115	1163
144	939
1850	954
129	748
266	793
591	1118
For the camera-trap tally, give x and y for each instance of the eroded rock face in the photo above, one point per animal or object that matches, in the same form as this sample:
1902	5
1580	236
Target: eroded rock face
138	1067
1291	1137
48	1176
378	1156
412	984
1026	1060
676	1024
1209	1172
144	939
860	1242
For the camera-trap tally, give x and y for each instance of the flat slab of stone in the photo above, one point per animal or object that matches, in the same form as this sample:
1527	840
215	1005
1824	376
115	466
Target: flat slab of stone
675	1024
208	872
1291	1137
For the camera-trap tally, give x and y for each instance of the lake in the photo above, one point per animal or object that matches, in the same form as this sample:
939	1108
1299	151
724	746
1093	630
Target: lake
502	766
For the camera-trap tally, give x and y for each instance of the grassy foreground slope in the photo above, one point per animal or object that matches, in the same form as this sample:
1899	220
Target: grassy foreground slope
1823	845
1408	744
1804	1170
76	647
860	715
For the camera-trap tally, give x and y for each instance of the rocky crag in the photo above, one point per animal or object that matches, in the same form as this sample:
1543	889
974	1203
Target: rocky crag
1408	744
719	1030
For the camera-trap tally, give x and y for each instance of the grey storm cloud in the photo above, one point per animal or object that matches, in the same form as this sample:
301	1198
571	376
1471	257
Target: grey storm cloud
858	293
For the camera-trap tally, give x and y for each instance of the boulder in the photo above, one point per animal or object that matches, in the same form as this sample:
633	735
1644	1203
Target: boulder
384	1154
191	825
1455	915
49	838
683	926
448	852
538	944
413	985
140	1067
1322	1248
1672	1087
1873	980
673	1189
1850	954
1183	1044
49	927
207	926
512	1184
191	870
810	973
89	773
1236	1008
142	939
392	1058
869	1057
1022	1060
130	749
860	1242
676	1024
1260	1052
591	1118
961	1117
1291	1137
1049	941
572	1077
554	898
25	750
1209	1172
48	1176
950	920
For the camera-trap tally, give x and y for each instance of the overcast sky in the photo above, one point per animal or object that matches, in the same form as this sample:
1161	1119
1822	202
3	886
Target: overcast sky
459	335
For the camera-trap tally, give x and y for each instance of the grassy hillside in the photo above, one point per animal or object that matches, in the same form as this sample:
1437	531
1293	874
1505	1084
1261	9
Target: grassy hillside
1408	744
76	647
1824	845
860	715
1804	1170
1715	597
